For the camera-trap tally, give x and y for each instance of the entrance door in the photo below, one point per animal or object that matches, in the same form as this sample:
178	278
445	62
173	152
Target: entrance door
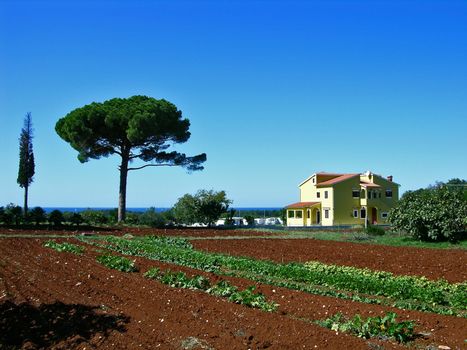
318	217
374	217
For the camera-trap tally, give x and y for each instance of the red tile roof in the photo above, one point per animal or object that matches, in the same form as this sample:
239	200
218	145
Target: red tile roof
340	178
302	204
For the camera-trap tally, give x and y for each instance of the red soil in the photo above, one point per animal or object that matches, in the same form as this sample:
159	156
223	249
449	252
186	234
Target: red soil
64	301
432	263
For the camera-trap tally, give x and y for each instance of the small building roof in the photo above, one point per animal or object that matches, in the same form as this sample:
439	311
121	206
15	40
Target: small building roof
302	205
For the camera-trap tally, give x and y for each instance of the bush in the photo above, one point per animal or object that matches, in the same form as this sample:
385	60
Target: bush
56	217
94	217
12	214
433	214
37	214
374	230
152	218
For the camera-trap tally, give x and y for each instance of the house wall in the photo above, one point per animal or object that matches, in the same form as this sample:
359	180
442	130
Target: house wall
345	203
294	222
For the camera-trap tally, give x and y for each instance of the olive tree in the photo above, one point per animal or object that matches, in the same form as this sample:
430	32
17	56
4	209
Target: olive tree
136	128
204	207
431	214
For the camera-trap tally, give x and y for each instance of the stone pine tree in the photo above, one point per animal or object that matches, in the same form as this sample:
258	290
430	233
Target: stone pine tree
26	159
136	128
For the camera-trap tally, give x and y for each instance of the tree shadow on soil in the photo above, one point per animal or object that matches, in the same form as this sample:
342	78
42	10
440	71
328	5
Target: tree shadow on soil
50	324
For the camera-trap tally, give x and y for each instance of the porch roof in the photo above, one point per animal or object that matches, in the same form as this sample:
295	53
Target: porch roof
302	205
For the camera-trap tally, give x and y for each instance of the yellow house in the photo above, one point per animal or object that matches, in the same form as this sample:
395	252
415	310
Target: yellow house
329	199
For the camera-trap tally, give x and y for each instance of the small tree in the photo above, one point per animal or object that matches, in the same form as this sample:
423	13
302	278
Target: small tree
56	217
432	214
13	213
204	207
138	127
37	214
26	159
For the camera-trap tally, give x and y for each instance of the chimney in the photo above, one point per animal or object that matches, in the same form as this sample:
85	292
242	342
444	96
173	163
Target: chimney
389	178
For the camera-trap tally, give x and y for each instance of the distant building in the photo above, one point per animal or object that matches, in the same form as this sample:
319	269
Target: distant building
329	199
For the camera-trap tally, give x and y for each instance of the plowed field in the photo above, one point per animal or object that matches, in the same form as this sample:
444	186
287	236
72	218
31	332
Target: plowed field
60	300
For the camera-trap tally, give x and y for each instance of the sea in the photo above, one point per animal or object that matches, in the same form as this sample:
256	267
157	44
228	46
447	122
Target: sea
143	209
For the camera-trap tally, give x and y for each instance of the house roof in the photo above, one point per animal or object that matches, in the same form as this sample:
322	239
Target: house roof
302	205
369	184
338	179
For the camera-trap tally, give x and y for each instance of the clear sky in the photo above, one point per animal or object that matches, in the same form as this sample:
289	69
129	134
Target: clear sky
274	90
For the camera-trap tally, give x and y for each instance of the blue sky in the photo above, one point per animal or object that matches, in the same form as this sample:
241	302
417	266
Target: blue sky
274	90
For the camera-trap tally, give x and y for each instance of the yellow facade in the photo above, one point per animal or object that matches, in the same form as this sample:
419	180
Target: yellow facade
343	199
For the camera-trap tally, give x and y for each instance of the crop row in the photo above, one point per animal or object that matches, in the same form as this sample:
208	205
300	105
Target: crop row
407	292
223	288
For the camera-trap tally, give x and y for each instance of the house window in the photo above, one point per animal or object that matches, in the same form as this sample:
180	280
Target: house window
379	194
388	193
369	194
374	194
291	214
298	214
363	213
326	213
325	194
355	193
318	194
308	213
355	213
384	215
313	180
363	194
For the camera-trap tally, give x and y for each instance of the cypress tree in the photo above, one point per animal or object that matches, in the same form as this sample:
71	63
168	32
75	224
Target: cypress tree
26	159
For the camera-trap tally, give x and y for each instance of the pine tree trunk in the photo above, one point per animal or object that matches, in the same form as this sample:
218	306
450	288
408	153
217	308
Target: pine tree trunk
122	191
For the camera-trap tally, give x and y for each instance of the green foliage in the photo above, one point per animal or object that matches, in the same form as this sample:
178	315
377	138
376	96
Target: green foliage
12	214
386	326
95	217
409	292
64	247
249	298
387	284
203	207
136	128
154	219
37	214
26	158
431	214
250	220
374	230
119	263
178	242
56	217
224	289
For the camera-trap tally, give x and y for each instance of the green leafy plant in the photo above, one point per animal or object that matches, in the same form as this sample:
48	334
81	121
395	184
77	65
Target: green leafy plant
222	289
119	263
64	247
249	298
372	326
